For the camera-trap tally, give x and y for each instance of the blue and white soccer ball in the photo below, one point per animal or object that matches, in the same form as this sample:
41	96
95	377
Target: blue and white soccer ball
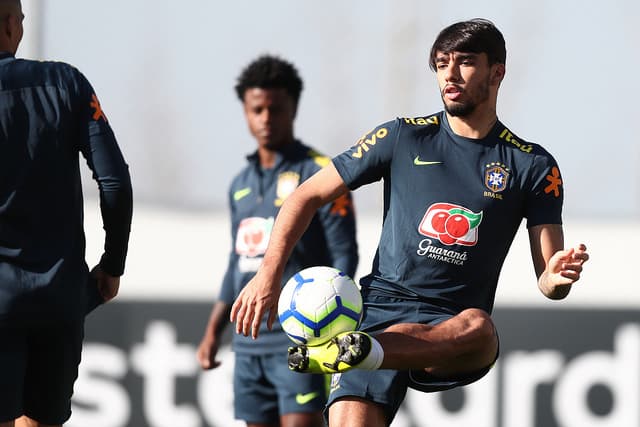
317	304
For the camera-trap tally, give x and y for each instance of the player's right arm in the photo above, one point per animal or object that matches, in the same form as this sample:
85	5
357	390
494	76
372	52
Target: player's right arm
260	295
99	147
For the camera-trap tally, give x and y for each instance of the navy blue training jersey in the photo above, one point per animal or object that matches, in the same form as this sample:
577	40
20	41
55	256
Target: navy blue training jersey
452	206
49	114
255	197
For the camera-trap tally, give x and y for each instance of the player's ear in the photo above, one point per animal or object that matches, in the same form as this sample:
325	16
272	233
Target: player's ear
497	73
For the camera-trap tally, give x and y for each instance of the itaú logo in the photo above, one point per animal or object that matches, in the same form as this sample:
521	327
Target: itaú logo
451	224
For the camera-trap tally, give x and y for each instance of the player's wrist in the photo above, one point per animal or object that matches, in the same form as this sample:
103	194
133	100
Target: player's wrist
111	266
271	270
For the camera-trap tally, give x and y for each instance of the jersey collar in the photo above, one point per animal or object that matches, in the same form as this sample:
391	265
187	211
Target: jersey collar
287	152
487	140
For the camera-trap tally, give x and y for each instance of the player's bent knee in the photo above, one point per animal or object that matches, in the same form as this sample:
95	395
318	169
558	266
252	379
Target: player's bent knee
479	321
481	328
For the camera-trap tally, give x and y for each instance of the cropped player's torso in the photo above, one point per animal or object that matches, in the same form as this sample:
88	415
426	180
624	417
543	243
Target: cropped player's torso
48	115
452	206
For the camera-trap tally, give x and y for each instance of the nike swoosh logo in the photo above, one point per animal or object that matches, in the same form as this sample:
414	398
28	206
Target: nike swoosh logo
419	162
302	399
241	194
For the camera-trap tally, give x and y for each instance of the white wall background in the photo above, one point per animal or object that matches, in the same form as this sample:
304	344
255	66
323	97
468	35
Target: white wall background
165	70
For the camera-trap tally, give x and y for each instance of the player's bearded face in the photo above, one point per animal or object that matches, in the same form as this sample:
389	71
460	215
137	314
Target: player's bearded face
464	80
470	99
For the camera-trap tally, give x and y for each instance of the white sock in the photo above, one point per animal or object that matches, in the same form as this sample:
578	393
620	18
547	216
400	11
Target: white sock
374	358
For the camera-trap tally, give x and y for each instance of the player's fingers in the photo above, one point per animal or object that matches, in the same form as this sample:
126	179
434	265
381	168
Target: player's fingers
582	257
240	324
273	312
240	317
568	253
241	307
573	276
247	320
573	266
561	256
257	320
233	315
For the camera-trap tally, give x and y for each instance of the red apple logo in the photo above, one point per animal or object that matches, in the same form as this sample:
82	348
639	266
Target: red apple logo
451	224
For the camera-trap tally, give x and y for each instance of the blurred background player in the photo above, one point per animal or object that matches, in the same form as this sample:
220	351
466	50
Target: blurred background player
49	114
266	392
457	185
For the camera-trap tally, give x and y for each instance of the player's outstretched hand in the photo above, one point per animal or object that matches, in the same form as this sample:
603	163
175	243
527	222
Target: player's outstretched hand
257	298
566	266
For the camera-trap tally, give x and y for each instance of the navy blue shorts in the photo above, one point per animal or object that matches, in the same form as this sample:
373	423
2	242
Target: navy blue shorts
388	387
265	388
38	366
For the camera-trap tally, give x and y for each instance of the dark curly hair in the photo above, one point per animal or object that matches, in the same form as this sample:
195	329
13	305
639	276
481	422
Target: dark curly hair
475	36
270	72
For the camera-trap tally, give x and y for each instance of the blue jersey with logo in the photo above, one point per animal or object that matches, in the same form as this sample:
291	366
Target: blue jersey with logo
452	206
49	115
255	197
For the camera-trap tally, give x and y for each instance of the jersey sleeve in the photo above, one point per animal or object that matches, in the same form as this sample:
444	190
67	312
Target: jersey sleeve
544	203
369	159
99	147
339	224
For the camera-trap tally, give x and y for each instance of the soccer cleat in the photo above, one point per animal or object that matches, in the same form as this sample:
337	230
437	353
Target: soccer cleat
343	352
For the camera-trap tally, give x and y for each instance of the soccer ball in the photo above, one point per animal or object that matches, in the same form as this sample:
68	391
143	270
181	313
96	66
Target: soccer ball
317	304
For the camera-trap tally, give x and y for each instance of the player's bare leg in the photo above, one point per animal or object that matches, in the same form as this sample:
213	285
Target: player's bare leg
310	419
356	412
465	343
8	424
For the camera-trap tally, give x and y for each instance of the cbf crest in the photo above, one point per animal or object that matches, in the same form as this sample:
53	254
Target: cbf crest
287	183
496	177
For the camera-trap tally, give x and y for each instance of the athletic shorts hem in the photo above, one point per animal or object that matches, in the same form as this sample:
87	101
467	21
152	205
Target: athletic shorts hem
432	384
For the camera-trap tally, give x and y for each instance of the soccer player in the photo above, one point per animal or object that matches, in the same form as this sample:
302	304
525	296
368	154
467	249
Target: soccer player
266	392
49	114
457	184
